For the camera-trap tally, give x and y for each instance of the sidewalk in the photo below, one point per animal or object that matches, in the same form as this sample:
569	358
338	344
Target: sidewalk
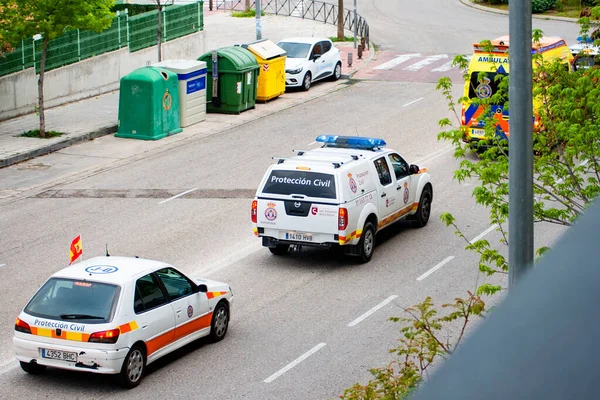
97	116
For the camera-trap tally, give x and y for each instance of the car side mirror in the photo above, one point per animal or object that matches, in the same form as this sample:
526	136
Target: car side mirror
413	169
202	288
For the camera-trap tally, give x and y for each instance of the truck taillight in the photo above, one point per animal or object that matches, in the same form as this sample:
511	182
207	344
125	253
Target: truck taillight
254	210
342	219
463	119
110	336
22	326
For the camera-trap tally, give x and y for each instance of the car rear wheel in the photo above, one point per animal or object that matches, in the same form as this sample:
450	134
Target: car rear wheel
422	216
366	245
32	367
307	81
220	322
280	249
133	367
337	72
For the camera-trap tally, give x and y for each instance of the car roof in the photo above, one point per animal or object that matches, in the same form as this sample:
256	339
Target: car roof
309	40
326	158
112	269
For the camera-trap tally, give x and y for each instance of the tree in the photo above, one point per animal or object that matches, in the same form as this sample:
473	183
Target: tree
50	19
340	22
160	5
247	6
566	180
8	12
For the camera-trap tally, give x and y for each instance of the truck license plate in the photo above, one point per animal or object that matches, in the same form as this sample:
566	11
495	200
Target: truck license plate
303	237
59	355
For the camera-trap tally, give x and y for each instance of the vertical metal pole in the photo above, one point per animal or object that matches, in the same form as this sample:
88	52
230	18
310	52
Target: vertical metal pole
78	46
23	53
258	25
198	12
355	25
127	24
165	23
520	174
119	26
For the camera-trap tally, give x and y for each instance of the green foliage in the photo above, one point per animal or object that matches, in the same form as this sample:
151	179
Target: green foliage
422	342
246	14
539	6
36	134
8	13
52	18
344	39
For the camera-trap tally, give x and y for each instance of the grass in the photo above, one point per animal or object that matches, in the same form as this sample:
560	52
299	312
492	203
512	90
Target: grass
345	39
36	134
564	8
246	14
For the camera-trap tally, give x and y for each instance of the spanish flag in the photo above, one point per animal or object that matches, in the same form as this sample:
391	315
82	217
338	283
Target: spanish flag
76	249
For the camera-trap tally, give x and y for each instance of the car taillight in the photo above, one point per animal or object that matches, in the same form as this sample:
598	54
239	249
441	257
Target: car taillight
22	326
342	219
110	336
254	210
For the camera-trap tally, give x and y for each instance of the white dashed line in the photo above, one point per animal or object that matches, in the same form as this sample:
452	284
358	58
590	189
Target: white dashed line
372	310
482	234
432	270
2	265
434	155
178	195
295	362
413	102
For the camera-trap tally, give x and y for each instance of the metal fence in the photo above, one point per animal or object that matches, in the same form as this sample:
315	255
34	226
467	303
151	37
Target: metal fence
137	33
306	9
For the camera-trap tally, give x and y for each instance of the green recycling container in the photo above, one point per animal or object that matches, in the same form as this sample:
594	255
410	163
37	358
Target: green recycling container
149	104
237	72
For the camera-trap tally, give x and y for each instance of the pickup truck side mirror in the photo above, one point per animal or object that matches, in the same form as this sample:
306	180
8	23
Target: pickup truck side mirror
413	169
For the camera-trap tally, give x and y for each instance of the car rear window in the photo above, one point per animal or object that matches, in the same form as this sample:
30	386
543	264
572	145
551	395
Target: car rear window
72	300
310	184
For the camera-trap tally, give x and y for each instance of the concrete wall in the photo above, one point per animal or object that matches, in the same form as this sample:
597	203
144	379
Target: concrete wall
88	78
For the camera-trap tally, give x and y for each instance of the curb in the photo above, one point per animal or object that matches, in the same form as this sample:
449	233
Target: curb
57	146
468	3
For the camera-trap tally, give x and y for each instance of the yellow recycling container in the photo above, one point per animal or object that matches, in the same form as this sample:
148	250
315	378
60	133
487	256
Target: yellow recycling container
271	59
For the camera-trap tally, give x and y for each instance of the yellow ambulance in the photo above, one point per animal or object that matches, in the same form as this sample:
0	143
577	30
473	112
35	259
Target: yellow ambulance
496	62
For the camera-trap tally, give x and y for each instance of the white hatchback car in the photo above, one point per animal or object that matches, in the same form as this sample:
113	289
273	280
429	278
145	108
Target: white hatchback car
115	315
309	60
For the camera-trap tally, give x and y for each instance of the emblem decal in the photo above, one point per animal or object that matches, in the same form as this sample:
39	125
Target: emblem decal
270	212
352	182
406	192
190	311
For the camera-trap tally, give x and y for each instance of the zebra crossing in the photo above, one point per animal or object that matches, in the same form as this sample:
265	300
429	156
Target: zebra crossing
411	67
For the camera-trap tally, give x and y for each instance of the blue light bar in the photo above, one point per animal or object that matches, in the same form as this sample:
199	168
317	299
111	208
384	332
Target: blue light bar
352	142
587	39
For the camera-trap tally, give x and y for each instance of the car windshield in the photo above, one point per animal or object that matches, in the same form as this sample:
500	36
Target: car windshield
295	50
310	184
72	300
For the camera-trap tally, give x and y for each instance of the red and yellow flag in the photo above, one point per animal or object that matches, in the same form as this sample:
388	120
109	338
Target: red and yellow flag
76	249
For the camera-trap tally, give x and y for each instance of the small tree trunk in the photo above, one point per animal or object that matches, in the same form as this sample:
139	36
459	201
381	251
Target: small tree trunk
159	31
340	25
247	6
41	88
210	5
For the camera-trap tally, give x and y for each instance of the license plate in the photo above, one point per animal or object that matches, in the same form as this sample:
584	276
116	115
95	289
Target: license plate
303	237
59	355
478	132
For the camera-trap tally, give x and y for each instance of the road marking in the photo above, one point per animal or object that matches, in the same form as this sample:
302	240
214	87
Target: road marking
413	102
295	362
432	270
434	155
372	310
229	259
443	68
178	195
482	234
2	265
397	61
428	60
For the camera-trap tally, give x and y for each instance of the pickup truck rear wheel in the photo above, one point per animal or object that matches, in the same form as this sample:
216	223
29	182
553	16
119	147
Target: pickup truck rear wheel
366	245
280	249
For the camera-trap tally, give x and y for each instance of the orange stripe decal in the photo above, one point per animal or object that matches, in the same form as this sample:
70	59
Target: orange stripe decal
193	326
399	214
212	295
